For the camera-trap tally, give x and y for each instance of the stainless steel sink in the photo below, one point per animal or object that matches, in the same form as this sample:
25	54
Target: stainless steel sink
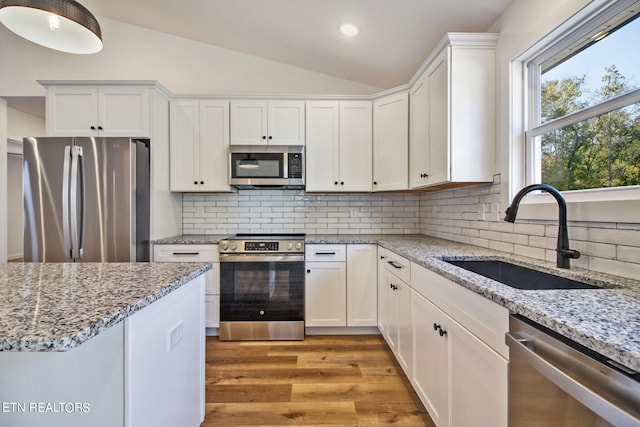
519	277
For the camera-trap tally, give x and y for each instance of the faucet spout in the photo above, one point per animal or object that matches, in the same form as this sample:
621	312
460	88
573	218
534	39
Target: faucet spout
564	253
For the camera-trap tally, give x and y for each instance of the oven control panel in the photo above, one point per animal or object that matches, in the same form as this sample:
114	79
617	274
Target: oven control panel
261	246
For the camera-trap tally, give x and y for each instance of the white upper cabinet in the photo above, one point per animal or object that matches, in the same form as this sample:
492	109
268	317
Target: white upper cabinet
256	122
339	146
391	142
452	116
199	143
98	111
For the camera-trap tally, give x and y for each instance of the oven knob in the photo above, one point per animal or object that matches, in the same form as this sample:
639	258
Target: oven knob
261	312
225	246
234	246
298	245
290	246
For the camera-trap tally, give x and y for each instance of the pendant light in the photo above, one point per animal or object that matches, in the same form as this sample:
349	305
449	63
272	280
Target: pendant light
63	25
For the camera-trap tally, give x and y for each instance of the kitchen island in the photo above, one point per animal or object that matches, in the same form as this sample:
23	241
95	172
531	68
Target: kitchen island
115	344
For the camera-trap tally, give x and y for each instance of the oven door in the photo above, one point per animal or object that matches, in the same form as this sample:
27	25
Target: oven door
261	288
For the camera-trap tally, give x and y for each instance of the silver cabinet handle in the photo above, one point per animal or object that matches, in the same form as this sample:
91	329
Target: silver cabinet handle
592	400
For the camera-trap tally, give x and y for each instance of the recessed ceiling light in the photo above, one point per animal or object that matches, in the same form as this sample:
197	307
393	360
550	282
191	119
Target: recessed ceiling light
349	30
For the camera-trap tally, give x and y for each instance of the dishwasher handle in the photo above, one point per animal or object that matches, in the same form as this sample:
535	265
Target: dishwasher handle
595	402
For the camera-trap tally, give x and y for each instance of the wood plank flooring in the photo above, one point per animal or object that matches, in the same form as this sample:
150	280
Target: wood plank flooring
321	381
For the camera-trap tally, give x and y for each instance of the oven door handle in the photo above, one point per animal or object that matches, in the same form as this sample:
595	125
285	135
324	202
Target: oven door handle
592	400
261	258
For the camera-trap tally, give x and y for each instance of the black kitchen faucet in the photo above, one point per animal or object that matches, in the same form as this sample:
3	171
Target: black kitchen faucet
564	254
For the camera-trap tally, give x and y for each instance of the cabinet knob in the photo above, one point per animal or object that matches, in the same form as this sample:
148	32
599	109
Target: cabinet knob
93	128
308	270
270	137
335	183
436	326
201	182
375	182
195	182
264	137
442	332
99	127
341	182
381	256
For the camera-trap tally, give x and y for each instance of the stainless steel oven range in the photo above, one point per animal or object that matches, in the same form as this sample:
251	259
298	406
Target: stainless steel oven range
262	287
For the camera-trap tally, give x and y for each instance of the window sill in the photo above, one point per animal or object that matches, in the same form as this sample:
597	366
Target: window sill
618	205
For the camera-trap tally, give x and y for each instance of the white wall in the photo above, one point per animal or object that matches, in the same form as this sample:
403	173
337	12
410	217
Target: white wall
183	66
3	180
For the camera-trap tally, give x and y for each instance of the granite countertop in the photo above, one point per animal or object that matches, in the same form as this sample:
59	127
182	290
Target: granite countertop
58	306
606	320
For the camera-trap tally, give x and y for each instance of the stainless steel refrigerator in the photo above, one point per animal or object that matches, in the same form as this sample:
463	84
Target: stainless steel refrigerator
86	199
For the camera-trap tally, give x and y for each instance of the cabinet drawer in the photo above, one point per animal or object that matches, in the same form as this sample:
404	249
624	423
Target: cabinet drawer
185	253
329	253
482	317
398	265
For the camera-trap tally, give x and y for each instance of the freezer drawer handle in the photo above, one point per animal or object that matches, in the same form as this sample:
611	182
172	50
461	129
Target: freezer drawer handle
575	389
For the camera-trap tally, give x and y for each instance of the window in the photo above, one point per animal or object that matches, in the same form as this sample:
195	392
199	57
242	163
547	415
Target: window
584	117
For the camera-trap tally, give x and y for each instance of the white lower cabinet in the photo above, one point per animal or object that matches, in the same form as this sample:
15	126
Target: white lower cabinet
340	286
198	253
382	291
460	378
362	301
398	309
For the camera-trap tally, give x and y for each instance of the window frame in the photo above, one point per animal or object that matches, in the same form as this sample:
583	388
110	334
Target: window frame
614	204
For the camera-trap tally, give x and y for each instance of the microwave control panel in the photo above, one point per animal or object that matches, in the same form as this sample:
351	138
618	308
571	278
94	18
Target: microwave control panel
295	165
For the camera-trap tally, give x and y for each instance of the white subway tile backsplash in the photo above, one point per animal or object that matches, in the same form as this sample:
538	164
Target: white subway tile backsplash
296	211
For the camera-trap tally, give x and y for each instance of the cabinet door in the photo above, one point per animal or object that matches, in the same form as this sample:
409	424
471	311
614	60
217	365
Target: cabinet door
326	294
419	133
249	122
323	146
362	301
478	382
184	144
405	328
399	321
430	377
213	161
439	150
72	111
286	123
123	111
391	143
382	291
356	146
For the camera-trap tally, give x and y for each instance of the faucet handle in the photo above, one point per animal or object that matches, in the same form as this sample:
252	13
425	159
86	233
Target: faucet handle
569	253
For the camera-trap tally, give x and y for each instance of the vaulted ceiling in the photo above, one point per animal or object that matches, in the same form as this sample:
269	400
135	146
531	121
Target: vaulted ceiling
396	35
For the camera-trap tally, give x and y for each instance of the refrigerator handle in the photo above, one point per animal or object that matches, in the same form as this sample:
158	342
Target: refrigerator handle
65	199
77	221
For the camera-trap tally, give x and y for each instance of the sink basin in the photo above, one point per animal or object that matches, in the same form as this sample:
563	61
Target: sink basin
519	277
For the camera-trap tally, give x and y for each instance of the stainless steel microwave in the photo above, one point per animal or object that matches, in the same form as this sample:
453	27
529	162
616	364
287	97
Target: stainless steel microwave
266	166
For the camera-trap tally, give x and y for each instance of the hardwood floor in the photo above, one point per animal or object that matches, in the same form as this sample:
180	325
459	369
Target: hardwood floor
321	381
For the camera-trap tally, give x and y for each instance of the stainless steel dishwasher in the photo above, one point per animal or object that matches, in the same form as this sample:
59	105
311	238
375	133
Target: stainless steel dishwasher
556	382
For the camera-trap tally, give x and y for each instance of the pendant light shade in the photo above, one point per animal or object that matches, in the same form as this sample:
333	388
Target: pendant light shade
63	25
